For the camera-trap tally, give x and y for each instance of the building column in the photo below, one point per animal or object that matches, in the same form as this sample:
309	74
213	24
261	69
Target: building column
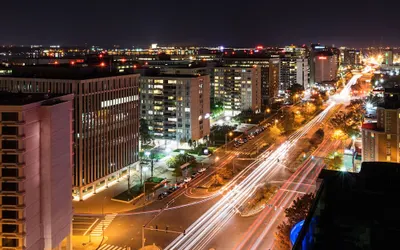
94	188
69	238
106	182
81	194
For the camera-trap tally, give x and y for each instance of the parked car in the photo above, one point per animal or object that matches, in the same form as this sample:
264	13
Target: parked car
194	175
201	170
187	179
163	195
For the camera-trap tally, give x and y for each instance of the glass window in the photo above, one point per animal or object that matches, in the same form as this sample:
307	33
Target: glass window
10	214
9	130
10	228
9	186
9	116
9	172
7	242
9	200
9	158
9	144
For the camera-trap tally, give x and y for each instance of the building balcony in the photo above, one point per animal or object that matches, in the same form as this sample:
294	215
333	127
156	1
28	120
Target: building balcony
18	193
12	136
12	221
13	248
12	165
12	150
12	122
12	179
12	207
13	235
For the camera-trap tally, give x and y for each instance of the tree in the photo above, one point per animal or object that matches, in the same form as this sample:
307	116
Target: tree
217	180
310	108
217	108
296	90
177	173
226	173
144	133
299	209
317	137
334	161
294	214
298	119
275	131
282	236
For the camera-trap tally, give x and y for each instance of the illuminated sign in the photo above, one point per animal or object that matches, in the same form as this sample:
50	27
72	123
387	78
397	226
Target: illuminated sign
322	58
320	47
260	47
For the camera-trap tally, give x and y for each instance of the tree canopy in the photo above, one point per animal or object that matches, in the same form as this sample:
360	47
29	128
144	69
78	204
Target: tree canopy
144	133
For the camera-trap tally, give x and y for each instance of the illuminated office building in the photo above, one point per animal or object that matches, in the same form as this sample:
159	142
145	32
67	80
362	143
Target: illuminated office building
106	118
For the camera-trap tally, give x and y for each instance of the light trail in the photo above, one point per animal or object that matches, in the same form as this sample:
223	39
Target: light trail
208	225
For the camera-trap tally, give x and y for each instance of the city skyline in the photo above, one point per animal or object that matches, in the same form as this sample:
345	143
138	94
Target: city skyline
137	24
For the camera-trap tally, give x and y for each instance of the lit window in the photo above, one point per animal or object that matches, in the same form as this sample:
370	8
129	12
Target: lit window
158	81
187	109
372	135
150	112
172	81
389	136
172	119
388	158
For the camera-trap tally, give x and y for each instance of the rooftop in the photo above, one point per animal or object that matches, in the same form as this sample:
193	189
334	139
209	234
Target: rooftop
168	76
63	71
20	99
354	210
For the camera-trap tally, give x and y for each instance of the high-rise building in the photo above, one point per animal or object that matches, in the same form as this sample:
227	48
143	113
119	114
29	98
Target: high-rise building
176	107
106	118
350	57
388	57
380	140
287	72
303	72
238	89
326	67
36	162
269	82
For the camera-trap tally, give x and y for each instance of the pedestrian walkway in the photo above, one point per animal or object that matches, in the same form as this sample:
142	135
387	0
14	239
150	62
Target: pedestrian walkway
112	247
102	226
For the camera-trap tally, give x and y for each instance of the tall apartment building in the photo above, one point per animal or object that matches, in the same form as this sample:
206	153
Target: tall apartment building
106	118
381	140
303	72
268	70
288	72
238	88
176	107
326	67
350	57
36	162
388	57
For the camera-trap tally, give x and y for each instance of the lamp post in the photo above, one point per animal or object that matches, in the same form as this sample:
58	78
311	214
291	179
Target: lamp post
149	155
226	140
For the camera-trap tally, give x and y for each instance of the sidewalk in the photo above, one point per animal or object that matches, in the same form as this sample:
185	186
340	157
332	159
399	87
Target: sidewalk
101	202
82	242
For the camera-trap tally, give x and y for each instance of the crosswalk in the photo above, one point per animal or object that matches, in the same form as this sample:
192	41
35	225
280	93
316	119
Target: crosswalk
98	230
112	247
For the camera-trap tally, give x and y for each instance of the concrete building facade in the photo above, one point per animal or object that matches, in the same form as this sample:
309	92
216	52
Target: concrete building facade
36	171
176	107
326	67
106	119
238	88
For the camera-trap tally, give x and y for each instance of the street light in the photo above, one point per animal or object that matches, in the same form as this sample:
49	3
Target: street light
182	151
226	139
148	153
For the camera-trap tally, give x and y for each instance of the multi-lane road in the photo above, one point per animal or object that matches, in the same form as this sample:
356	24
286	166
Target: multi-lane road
212	221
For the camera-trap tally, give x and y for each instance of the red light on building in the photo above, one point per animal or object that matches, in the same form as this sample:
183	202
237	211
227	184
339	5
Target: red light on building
102	64
233	52
260	47
101	55
146	63
226	53
79	61
123	60
72	63
134	66
322	58
56	62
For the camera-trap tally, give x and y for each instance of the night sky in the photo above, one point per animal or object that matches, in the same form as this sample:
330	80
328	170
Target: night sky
207	22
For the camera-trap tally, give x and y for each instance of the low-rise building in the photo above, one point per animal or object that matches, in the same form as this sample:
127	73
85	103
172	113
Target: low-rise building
36	162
